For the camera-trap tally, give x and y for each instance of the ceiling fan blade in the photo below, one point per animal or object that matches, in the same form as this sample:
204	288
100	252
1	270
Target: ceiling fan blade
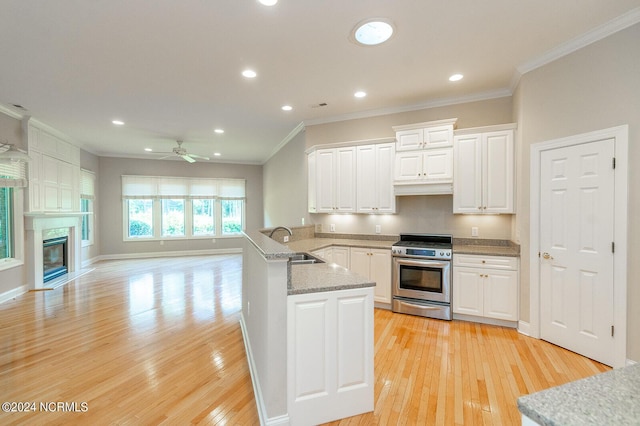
199	156
189	159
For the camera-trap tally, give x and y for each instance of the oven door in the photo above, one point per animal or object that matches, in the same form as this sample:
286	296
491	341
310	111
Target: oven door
428	280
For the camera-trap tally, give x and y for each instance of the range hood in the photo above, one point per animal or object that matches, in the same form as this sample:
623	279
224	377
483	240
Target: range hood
431	188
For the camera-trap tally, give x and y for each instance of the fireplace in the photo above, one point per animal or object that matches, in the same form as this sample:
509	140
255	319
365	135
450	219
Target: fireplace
54	258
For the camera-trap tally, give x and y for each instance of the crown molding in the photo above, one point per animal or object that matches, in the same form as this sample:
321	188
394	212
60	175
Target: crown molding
482	96
617	24
292	134
11	113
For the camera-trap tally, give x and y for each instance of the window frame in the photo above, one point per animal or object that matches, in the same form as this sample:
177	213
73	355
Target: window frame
17	219
158	188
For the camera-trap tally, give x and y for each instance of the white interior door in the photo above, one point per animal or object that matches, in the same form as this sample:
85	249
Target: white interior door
576	261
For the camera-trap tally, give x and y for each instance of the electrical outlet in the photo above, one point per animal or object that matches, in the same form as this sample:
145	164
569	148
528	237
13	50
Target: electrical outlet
286	238
318	227
378	229
161	242
302	221
332	227
474	231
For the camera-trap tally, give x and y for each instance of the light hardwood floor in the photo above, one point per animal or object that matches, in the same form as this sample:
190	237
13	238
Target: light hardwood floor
159	342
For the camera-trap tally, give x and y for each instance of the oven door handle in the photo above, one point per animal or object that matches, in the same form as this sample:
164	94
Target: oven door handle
431	263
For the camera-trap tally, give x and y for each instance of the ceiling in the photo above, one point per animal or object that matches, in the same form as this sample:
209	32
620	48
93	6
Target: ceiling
172	69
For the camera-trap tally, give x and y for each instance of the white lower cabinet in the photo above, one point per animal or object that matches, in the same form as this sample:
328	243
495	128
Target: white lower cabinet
485	286
330	355
374	264
334	254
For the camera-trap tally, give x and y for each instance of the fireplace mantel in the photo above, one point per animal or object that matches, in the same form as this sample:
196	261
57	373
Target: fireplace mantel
36	225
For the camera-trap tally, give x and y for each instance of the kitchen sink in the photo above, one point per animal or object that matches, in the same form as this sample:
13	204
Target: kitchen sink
304	259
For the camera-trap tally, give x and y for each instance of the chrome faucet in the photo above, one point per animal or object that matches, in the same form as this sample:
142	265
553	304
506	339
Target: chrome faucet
280	227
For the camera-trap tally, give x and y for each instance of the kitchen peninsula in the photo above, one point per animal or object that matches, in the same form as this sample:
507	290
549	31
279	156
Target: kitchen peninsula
308	333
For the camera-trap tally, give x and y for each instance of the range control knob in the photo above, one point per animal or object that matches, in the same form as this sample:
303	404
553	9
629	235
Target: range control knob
441	253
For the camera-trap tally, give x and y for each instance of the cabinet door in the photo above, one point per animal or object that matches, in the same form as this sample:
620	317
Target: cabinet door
385	157
340	256
50	183
408	140
311	182
359	261
366	178
438	136
66	193
325	180
438	165
467	170
497	173
345	180
467	291
408	166
501	295
380	268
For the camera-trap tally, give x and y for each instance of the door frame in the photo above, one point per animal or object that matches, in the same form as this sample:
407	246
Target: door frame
620	135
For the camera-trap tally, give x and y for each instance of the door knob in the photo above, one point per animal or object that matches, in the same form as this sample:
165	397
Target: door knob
547	256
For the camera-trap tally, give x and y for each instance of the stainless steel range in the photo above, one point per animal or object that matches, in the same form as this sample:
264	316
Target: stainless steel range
422	275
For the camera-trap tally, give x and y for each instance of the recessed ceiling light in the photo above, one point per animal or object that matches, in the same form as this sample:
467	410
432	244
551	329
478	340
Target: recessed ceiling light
118	122
148	149
456	77
216	154
268	2
360	94
249	73
219	131
287	107
371	32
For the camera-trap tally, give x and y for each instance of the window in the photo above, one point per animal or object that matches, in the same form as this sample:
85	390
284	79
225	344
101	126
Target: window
203	217
6	223
13	175
140	218
87	197
171	207
173	218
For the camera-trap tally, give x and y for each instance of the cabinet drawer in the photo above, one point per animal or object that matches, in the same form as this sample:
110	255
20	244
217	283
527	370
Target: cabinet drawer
481	261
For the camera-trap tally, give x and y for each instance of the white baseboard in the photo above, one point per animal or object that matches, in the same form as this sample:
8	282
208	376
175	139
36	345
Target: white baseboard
524	328
13	293
149	255
631	362
484	320
88	262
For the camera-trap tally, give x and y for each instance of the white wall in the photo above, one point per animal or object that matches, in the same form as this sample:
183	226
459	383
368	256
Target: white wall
285	177
110	211
594	88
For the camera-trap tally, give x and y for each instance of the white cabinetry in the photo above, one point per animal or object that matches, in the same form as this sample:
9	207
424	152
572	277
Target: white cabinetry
329	355
424	158
374	181
54	173
484	171
374	264
335	181
485	286
334	254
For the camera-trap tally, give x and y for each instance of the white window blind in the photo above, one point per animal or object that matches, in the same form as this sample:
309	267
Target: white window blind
180	187
13	174
87	184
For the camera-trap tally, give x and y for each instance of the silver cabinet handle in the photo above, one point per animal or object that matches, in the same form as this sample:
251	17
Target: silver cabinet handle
547	256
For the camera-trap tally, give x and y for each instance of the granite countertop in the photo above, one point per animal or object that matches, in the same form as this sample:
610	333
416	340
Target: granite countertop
611	398
485	247
308	278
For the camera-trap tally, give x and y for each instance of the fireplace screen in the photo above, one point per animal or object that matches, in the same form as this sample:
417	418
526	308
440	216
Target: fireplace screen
54	258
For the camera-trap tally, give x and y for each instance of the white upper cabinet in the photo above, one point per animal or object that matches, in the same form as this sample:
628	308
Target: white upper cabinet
484	171
335	182
54	173
374	181
424	158
425	136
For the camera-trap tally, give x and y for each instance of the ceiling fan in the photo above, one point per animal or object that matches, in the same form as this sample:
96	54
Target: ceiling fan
182	152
